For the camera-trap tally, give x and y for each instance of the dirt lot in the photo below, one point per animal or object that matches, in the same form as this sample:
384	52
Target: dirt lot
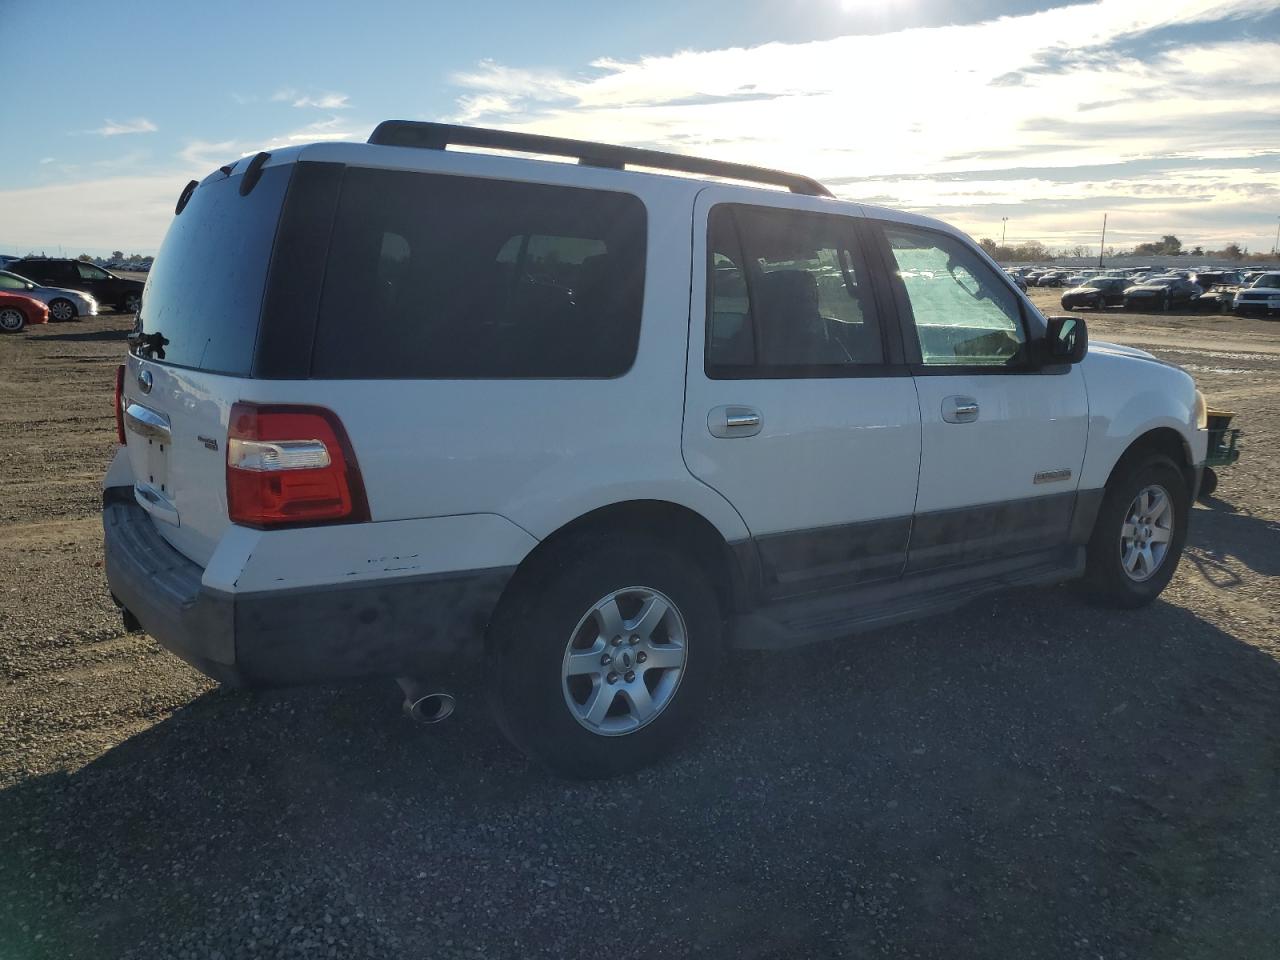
1029	778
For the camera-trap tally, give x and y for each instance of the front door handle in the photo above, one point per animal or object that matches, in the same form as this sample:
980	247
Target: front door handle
734	421
960	409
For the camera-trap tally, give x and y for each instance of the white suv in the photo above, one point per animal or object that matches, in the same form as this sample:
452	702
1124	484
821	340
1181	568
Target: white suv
397	410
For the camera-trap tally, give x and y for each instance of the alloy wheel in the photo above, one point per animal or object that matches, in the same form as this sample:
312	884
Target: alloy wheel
1146	533
624	661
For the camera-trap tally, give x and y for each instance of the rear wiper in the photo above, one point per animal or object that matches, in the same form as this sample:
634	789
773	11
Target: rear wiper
149	345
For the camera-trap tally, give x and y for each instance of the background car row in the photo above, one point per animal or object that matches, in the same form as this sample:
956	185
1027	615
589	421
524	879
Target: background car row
67	289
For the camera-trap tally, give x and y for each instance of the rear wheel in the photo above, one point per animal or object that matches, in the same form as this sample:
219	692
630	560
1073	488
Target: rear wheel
62	310
599	660
12	320
131	302
1139	533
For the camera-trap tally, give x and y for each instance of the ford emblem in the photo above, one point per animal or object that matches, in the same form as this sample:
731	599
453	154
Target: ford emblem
145	381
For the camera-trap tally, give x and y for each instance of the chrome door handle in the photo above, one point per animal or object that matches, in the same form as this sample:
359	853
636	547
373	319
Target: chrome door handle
734	421
960	409
146	422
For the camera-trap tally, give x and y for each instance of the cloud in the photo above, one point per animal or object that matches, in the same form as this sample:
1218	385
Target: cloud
113	128
97	222
1071	86
325	101
205	155
44	160
319	101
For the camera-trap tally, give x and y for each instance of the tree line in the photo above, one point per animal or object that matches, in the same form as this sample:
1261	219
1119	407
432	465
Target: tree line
1166	246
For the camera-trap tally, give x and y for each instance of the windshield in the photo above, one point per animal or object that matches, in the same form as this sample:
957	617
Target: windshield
204	294
1268	280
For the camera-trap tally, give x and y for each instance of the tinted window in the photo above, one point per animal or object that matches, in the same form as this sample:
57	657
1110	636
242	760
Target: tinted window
89	272
965	314
435	276
786	296
204	291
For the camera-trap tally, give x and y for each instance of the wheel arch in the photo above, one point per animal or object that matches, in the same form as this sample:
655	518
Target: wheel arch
731	567
1164	440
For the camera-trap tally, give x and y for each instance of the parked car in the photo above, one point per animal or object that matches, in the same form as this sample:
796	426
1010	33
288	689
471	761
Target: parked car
1018	281
1161	293
1206	280
1098	293
1262	297
1054	278
105	287
62	304
17	311
551	471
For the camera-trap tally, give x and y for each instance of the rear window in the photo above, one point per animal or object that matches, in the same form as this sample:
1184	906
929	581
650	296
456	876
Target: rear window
204	292
444	277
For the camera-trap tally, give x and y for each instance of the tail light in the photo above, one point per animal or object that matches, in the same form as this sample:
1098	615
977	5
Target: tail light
119	403
291	466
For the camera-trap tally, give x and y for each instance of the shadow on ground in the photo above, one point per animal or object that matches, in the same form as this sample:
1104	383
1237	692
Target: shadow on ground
88	336
1031	777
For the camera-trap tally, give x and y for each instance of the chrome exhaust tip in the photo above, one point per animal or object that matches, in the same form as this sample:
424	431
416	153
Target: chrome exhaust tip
423	704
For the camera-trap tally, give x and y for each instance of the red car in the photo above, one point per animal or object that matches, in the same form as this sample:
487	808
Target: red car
16	311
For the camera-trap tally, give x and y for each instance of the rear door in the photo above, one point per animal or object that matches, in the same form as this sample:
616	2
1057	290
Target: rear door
797	410
200	318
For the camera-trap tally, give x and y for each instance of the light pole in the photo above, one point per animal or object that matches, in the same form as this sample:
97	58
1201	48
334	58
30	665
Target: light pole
1276	249
1004	226
1102	246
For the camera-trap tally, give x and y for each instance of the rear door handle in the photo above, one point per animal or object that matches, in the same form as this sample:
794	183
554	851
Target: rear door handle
960	409
734	421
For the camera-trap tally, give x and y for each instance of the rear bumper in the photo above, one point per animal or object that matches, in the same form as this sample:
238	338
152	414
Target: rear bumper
414	626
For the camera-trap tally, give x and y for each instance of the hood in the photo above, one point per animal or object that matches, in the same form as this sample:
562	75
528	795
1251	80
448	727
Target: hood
1081	289
1132	353
1148	287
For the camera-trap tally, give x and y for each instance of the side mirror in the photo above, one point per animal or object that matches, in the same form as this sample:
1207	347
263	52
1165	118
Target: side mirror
1067	340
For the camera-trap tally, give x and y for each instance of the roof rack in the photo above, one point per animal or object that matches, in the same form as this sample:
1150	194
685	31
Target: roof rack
437	136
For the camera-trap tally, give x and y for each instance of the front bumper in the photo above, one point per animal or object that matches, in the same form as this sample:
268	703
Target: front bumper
407	626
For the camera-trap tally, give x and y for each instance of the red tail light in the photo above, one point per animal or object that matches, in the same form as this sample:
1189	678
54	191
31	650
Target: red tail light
291	466
119	403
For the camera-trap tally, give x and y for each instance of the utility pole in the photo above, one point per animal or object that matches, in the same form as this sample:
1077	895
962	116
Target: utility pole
1004	226
1103	245
1276	249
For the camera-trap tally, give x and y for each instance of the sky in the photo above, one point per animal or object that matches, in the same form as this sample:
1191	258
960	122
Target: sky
1163	115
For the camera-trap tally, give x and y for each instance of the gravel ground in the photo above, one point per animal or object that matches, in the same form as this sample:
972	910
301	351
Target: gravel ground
1029	777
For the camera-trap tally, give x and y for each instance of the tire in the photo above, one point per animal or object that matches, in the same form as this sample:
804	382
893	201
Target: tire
62	310
1208	483
12	320
1114	576
548	642
131	303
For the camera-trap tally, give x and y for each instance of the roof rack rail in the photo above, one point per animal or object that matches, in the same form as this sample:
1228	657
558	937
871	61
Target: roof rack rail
437	136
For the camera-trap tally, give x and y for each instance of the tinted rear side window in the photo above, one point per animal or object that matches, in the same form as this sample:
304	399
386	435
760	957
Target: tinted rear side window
204	292
444	277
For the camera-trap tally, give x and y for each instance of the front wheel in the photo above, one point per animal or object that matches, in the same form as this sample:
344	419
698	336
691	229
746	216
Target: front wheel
12	320
599	660
62	310
131	303
1139	533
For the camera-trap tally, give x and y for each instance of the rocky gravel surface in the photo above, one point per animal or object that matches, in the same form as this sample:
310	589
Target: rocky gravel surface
1028	777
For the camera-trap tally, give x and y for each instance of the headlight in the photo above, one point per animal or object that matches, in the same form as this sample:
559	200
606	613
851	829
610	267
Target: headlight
1202	412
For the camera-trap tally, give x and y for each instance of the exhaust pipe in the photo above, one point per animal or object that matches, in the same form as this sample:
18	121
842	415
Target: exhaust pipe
423	703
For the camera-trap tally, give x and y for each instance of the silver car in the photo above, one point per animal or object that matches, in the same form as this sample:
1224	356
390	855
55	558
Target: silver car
62	304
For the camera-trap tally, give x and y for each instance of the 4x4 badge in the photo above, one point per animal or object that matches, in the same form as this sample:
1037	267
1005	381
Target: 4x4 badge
145	381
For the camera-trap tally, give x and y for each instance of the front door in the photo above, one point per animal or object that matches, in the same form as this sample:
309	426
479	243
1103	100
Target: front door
797	409
1003	439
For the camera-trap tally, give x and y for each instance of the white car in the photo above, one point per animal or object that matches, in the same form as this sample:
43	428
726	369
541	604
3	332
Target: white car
62	304
591	431
1262	297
